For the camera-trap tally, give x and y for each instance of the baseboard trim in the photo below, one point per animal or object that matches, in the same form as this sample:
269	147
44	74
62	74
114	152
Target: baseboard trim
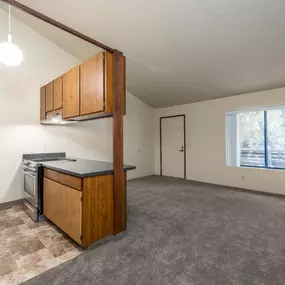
130	179
10	204
250	191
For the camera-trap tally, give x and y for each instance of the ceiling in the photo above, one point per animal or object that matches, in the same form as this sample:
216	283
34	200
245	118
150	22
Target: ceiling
79	48
182	51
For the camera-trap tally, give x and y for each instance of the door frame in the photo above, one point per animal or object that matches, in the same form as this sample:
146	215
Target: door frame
160	134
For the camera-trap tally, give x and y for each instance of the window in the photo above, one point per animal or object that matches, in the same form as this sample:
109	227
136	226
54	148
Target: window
256	138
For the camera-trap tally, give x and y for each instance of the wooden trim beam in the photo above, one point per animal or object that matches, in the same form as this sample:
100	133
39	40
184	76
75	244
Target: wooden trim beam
119	91
57	24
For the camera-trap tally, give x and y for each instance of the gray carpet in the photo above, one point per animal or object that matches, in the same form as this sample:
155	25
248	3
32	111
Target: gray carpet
181	232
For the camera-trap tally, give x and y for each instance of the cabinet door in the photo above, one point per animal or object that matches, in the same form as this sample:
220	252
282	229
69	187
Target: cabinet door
63	206
92	87
57	96
98	208
43	103
71	93
49	97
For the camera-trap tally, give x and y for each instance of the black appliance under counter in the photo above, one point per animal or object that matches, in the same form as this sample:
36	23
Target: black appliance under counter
83	167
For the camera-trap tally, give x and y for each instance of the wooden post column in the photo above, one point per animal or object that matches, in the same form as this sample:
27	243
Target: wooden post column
119	86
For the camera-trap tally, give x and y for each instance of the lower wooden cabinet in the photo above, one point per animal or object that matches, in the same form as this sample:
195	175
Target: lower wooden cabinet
63	206
98	208
86	214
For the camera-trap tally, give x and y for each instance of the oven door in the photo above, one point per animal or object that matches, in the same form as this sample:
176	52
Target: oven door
31	187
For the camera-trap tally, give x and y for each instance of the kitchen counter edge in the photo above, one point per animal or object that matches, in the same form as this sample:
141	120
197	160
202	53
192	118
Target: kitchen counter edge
88	174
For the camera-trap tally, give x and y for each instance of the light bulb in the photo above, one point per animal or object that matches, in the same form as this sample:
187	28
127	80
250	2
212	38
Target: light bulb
10	54
55	120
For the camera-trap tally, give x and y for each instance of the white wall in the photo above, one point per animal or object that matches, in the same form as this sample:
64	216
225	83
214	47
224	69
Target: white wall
206	143
20	131
138	137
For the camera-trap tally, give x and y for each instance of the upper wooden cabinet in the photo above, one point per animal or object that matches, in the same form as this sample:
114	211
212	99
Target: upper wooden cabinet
49	97
43	103
57	95
71	93
92	88
86	91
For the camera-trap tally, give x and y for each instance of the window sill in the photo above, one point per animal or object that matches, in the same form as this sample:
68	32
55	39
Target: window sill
261	167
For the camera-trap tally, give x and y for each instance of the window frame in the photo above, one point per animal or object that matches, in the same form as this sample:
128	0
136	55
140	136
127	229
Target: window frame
264	110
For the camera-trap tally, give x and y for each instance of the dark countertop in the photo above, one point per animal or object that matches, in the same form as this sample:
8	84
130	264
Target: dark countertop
83	167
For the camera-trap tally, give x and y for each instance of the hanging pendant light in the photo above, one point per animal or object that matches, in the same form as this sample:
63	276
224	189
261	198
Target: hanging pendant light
10	54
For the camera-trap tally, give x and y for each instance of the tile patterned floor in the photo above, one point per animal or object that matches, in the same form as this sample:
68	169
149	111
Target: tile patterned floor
28	249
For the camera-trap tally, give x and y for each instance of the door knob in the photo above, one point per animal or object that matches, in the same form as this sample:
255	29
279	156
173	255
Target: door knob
182	149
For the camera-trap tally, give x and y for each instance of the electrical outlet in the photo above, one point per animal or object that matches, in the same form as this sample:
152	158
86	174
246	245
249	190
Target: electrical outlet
243	177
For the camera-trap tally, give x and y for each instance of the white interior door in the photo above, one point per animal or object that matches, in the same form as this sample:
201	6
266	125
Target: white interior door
172	146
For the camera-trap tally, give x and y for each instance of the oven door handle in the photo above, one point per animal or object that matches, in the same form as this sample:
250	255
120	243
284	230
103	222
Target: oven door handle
31	169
